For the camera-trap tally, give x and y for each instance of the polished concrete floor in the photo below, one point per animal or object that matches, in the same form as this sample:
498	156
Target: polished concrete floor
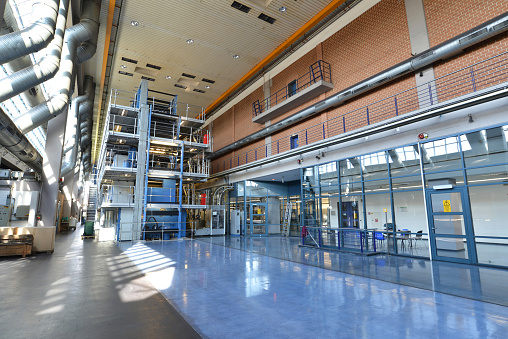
85	289
230	287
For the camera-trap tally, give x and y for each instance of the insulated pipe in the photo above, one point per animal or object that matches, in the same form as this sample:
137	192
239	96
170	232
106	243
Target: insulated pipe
81	106
45	69
17	143
87	29
34	37
442	51
71	157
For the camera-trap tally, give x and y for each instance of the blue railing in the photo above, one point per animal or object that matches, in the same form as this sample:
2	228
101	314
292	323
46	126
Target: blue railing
367	241
479	76
320	70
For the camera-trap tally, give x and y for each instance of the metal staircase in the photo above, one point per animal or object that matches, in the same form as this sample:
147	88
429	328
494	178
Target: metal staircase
92	203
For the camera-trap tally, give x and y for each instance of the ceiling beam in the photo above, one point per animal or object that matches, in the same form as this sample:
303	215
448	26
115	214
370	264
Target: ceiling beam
304	29
109	26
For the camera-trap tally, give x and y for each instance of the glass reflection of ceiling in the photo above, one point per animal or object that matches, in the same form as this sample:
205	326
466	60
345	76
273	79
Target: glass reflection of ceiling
378	158
446	146
328	168
407	153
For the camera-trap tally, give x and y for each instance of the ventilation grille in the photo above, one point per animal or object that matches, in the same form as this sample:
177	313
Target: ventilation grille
240	7
154	66
188	75
500	26
266	18
130	60
359	89
208	80
180	86
425	55
147	78
125	73
473	35
198	90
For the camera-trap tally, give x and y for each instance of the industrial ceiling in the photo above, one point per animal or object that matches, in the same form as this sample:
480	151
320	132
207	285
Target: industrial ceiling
196	49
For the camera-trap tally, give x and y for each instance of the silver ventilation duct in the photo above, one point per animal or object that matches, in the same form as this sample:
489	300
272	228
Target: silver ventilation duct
81	106
442	51
87	29
17	143
32	38
45	69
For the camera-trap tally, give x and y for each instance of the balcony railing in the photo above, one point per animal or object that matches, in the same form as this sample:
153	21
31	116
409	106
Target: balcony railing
479	76
320	70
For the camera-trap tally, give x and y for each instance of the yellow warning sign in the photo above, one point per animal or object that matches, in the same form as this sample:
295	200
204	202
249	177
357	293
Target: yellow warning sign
385	210
447	206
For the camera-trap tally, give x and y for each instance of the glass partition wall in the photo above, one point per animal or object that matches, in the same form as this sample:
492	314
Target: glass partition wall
456	187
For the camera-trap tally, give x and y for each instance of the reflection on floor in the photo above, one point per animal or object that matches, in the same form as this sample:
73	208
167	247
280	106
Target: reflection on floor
85	289
232	287
468	281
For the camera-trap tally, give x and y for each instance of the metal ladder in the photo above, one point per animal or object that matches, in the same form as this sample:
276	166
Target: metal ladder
287	219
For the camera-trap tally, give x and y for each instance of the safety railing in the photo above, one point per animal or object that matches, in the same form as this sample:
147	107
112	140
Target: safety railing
479	76
123	98
123	160
114	195
164	130
366	241
170	130
163	159
175	108
123	124
320	70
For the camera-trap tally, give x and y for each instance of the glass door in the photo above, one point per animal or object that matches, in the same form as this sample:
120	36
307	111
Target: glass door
258	219
451	233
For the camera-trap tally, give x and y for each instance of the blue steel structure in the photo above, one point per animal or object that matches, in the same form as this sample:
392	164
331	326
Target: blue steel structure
175	160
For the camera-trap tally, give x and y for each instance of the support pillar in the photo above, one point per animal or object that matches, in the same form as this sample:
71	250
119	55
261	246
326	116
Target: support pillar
139	190
419	38
52	158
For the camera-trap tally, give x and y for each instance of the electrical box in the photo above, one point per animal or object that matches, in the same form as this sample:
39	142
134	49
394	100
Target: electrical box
235	222
218	220
22	211
5	212
118	160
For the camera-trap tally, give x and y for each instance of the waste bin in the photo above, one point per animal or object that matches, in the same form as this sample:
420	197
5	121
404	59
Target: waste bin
88	228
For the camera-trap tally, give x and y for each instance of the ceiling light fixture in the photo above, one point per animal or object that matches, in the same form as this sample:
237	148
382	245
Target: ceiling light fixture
190	41
134	23
236	56
168	77
283	9
123	66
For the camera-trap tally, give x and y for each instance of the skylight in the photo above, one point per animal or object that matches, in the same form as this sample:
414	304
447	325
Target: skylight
14	107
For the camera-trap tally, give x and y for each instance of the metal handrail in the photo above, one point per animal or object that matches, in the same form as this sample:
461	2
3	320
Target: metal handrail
481	75
320	70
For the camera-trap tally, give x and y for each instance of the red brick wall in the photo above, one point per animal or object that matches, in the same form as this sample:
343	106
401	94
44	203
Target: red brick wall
446	19
222	132
243	115
293	72
372	43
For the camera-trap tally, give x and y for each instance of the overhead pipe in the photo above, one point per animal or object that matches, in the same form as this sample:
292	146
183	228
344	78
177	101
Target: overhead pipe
34	37
17	143
86	30
34	95
45	69
442	51
80	107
